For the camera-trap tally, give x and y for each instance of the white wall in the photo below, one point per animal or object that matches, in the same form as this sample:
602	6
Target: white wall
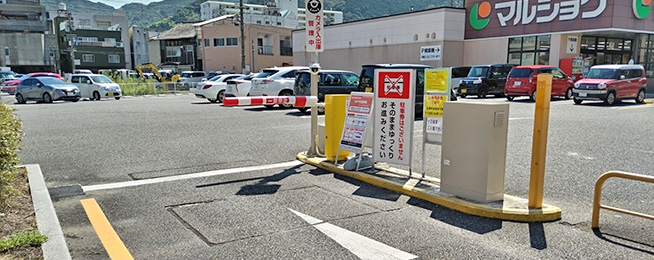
485	51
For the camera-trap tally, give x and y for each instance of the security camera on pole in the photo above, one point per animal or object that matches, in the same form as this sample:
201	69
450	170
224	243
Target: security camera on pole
314	43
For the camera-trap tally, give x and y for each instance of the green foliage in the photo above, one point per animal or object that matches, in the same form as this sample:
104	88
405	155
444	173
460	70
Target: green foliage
10	137
20	239
138	87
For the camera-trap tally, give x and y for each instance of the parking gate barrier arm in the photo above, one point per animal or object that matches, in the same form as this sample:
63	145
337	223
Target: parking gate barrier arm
296	101
598	194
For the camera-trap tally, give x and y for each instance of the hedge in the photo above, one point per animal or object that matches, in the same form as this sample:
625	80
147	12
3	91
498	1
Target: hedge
10	137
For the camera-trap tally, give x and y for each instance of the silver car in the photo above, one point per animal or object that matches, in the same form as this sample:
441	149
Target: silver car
46	89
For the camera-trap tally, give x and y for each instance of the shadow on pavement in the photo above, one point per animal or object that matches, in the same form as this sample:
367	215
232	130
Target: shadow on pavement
370	191
479	225
262	187
613	239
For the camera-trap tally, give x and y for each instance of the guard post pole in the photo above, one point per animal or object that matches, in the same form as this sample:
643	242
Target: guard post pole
539	144
315	78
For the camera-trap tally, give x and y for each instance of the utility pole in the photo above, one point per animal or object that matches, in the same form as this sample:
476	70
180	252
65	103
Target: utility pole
242	37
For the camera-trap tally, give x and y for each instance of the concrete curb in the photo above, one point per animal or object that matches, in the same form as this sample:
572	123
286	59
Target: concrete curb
46	217
512	208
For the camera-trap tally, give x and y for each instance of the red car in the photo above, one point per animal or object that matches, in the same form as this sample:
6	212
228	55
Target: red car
522	82
9	86
611	83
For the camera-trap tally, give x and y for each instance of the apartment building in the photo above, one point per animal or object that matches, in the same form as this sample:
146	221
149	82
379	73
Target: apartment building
25	43
139	38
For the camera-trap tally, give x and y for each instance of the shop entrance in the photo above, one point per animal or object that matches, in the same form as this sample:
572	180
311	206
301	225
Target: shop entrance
606	50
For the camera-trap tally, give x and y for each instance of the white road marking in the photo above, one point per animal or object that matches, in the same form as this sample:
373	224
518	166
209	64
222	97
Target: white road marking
652	152
576	155
634	107
361	246
118	185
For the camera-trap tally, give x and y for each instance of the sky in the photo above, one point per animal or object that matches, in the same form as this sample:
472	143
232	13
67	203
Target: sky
119	3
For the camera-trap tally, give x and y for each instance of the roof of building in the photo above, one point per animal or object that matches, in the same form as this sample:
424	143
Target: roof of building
185	30
219	18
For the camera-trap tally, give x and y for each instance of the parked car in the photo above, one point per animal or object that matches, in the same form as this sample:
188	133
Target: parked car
330	82
484	80
239	87
191	78
522	81
46	89
216	73
275	82
611	83
214	90
96	86
82	71
458	73
10	85
6	75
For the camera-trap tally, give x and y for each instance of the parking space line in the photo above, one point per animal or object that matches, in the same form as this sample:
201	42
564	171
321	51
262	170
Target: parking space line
359	245
634	107
107	235
118	185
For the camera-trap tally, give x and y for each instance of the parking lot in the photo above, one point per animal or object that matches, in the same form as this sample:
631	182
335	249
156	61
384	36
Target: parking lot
182	178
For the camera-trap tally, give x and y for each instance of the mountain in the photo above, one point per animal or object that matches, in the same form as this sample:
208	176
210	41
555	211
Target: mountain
165	14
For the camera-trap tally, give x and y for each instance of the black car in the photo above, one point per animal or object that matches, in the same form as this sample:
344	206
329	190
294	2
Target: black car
367	80
331	82
485	80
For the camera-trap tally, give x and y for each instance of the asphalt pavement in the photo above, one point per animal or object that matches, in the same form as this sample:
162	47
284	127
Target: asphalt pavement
233	208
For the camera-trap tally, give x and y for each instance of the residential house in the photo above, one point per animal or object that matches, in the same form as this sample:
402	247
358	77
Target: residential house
266	46
179	45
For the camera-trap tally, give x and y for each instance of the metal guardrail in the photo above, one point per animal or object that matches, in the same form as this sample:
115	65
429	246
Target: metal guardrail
598	194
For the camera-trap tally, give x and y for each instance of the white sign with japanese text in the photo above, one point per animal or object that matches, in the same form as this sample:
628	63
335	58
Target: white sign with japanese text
314	26
356	121
571	46
430	53
394	110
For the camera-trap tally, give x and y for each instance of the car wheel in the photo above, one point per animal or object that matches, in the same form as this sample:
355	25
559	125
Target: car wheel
510	98
96	95
533	96
610	99
75	100
483	92
568	94
286	93
640	98
269	106
20	99
212	100
303	109
221	96
321	110
117	98
499	95
577	101
47	98
463	95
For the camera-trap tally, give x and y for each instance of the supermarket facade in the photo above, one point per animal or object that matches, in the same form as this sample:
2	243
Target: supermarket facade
553	32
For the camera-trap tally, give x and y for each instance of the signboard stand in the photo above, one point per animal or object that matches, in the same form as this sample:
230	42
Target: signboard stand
437	91
359	107
393	116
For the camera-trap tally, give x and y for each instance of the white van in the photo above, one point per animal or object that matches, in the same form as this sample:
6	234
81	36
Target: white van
96	86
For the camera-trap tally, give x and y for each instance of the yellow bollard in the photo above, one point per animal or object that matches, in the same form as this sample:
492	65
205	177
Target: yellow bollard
539	145
334	119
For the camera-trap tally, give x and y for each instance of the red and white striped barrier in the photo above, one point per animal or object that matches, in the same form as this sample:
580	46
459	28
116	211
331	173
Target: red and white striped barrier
296	101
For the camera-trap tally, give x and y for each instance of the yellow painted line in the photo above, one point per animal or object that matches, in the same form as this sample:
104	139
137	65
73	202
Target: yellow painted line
649	101
110	240
515	210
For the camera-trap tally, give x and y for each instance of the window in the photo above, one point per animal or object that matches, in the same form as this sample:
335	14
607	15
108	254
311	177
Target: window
173	51
87	39
207	42
529	50
331	79
113	58
111	40
88	58
232	41
218	42
75	79
558	74
290	74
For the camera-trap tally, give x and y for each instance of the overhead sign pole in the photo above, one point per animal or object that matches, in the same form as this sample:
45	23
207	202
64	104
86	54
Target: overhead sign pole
314	29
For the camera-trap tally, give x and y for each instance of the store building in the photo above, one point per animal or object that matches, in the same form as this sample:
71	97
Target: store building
506	31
